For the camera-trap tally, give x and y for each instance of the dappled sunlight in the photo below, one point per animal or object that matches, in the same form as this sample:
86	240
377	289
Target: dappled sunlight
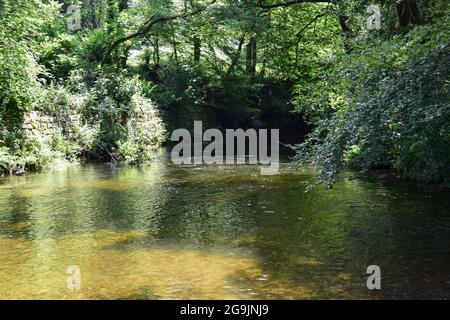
163	232
37	270
308	261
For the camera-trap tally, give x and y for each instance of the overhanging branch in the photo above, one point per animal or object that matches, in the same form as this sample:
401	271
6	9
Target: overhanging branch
148	25
268	6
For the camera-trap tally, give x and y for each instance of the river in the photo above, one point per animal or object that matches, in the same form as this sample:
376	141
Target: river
160	231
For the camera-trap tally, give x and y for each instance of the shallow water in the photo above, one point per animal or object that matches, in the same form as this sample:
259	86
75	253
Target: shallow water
205	232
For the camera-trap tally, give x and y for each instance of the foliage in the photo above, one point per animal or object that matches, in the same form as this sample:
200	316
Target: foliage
388	107
374	98
114	101
145	132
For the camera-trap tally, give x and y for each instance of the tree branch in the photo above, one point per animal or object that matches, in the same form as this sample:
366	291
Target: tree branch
148	25
265	6
320	15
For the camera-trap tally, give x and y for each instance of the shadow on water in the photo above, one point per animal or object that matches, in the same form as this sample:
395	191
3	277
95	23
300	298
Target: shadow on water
211	232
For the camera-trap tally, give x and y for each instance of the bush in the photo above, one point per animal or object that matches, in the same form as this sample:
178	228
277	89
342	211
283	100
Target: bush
114	102
60	57
394	112
145	132
8	163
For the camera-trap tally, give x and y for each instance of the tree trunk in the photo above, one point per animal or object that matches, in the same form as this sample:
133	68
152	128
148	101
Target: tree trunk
407	13
123	5
91	12
124	58
156	52
197	49
236	57
174	46
251	56
96	14
346	32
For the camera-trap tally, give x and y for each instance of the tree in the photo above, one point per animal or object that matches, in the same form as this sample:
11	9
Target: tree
251	56
407	13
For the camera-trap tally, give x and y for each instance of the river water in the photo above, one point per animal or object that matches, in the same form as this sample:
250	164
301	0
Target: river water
161	231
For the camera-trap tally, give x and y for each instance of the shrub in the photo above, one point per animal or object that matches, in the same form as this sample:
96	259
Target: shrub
395	111
113	102
145	132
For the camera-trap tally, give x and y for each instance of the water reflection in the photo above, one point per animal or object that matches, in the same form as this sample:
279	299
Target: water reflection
208	232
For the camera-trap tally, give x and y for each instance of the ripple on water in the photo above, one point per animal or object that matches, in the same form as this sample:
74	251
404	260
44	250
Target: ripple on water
161	231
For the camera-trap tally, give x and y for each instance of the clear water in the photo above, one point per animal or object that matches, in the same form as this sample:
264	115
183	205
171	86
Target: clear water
206	232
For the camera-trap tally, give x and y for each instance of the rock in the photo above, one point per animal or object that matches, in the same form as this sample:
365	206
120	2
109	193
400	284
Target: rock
20	172
33	115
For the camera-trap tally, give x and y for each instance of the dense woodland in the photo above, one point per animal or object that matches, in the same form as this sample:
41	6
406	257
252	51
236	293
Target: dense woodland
366	98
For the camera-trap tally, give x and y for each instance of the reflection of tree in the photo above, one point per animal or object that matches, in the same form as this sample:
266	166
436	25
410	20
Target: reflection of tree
204	211
358	223
312	238
318	244
14	213
414	250
127	198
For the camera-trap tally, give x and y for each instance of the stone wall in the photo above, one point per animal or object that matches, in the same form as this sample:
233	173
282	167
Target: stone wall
37	124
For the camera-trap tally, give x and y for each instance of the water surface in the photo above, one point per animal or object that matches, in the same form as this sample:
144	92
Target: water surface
206	232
